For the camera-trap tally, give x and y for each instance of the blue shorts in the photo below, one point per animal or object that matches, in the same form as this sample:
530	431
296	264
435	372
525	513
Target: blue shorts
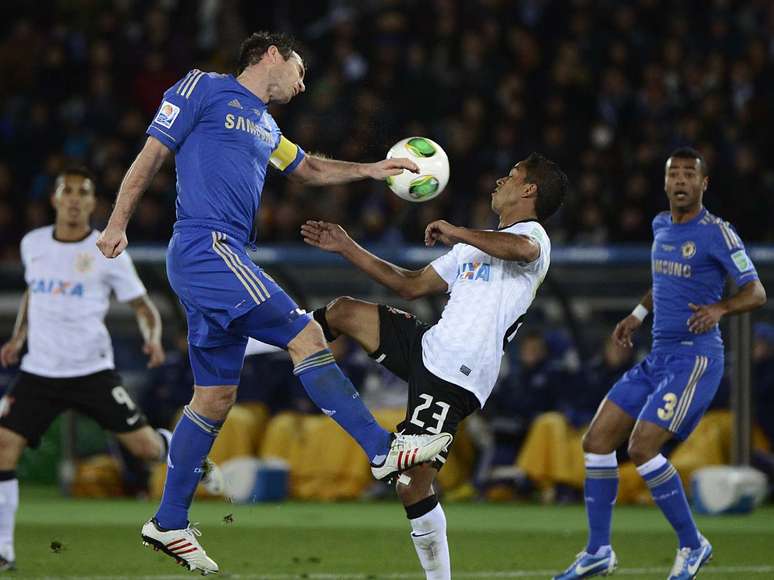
227	298
671	390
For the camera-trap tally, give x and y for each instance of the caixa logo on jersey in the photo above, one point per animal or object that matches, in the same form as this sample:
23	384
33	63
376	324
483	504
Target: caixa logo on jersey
474	271
56	287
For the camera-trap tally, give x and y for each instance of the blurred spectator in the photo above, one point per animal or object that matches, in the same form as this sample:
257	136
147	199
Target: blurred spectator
605	88
551	458
532	388
580	401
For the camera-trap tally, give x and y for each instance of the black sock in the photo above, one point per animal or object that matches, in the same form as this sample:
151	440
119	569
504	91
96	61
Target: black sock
319	316
7	475
423	506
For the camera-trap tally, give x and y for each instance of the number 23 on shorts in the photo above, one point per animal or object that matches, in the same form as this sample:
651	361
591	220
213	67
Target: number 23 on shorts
439	417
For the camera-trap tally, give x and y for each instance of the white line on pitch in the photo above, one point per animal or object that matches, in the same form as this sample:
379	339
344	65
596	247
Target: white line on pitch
709	570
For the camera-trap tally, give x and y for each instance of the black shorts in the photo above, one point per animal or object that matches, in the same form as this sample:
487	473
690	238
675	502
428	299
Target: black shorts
434	405
33	402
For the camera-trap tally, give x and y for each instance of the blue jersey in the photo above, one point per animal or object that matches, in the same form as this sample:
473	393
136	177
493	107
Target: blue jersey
223	139
689	263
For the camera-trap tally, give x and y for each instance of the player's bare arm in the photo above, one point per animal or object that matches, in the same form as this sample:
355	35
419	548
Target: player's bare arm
149	321
408	284
113	240
749	297
502	245
622	334
9	354
316	170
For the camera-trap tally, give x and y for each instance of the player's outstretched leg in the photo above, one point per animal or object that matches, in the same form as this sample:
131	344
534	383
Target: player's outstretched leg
334	394
359	320
427	519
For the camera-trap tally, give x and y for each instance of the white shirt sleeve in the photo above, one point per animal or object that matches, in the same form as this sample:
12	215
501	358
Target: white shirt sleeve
123	278
446	266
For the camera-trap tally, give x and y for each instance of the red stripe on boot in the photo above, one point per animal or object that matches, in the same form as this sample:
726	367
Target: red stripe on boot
186	551
180	547
173	542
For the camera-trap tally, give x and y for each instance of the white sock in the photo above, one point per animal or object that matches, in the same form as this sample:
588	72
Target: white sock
428	532
9	502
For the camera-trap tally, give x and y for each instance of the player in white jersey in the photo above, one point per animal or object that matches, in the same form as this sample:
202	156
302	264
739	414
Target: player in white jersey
451	367
69	359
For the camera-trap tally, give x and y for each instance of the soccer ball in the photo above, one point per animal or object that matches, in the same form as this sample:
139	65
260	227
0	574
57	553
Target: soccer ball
433	169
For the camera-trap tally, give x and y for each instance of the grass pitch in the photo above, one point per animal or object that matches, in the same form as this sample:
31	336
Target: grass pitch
62	538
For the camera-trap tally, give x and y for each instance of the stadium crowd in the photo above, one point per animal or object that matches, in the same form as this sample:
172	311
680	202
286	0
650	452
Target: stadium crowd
626	82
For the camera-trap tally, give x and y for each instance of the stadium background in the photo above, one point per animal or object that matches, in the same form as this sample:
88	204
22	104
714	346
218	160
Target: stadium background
605	88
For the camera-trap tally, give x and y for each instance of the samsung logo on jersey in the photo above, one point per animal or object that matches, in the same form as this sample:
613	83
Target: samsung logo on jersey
671	268
243	124
473	271
56	287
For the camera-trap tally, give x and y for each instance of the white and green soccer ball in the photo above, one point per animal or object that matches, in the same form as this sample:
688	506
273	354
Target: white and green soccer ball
433	169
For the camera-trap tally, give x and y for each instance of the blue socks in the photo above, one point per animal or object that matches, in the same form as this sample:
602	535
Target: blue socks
668	493
600	491
334	394
190	445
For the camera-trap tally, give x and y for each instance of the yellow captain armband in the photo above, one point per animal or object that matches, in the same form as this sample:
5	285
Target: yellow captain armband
285	154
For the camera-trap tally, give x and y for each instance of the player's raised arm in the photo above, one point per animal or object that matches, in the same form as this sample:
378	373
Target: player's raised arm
503	245
317	170
409	284
9	354
113	240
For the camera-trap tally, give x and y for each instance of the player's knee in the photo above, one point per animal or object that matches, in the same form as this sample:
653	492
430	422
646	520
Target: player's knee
213	402
593	442
419	486
308	342
339	312
11	447
640	450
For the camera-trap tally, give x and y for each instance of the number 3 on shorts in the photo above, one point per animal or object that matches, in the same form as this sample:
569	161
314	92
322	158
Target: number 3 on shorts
666	412
439	417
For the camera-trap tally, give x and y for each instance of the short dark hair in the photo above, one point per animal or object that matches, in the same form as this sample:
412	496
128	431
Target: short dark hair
80	170
552	184
256	45
690	153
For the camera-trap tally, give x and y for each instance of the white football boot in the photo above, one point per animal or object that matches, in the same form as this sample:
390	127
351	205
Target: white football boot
406	451
182	545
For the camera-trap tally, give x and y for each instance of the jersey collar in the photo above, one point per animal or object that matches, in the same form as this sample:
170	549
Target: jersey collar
698	217
79	240
524	221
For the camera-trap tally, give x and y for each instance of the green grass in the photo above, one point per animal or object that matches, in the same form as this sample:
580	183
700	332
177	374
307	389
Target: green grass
100	538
